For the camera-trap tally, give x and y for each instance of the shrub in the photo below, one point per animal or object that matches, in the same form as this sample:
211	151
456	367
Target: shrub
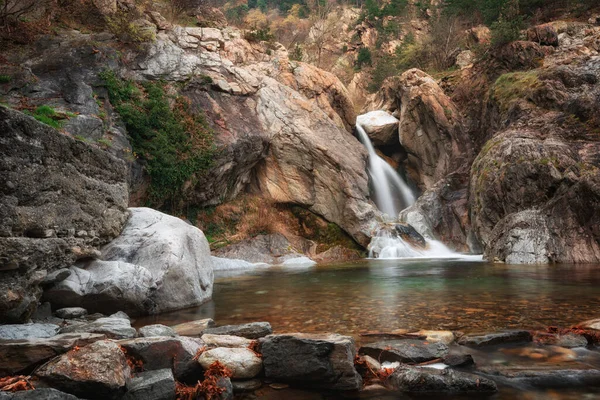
49	116
508	27
259	35
174	142
363	58
5	79
124	25
297	53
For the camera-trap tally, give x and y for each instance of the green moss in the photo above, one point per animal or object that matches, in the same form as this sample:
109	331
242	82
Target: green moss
5	79
104	142
49	116
174	142
514	86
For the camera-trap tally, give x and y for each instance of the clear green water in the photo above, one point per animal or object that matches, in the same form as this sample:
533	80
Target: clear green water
377	295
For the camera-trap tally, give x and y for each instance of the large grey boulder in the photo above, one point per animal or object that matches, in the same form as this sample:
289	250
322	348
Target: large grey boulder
97	371
60	200
158	263
324	361
28	331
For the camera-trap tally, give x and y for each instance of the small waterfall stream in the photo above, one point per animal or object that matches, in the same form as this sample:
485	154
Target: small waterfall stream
391	195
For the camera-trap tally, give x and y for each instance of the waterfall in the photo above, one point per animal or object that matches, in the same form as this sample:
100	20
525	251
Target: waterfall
387	184
391	195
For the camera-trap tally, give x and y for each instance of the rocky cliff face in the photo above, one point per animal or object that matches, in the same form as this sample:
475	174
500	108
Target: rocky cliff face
61	200
282	128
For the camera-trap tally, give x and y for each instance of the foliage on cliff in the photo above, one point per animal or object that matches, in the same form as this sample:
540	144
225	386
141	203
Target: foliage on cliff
174	142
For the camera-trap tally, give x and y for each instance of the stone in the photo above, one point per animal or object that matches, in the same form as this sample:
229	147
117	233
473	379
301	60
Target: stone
568	340
553	378
446	337
465	59
18	355
151	385
269	249
71	312
480	34
491	339
106	7
96	371
193	328
405	351
252	330
225	383
408	379
156	330
113	328
589	324
172	251
56	276
249	385
323	361
28	331
431	130
159	352
544	34
212	340
242	362
120	314
64	186
38	394
458	360
381	127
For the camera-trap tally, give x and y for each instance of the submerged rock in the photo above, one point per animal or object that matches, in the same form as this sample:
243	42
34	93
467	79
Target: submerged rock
324	361
405	350
490	339
252	330
544	378
422	380
97	371
193	328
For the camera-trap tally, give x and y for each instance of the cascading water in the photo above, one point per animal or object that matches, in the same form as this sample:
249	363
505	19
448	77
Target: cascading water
385	180
388	187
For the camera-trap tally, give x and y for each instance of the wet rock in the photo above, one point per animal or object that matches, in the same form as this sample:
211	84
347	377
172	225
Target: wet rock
56	276
252	330
113	328
269	249
551	354
71	312
158	353
569	340
246	386
410	234
458	360
446	337
490	339
193	328
18	355
545	378
28	331
590	324
422	380
375	391
405	350
381	127
38	394
64	186
545	34
212	340
96	371
152	385
156	330
225	383
323	361
243	363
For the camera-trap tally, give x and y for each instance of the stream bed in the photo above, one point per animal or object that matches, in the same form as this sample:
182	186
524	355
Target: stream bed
385	295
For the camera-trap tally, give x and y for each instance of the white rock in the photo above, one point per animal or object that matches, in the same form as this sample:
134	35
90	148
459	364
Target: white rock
381	127
225	341
243	363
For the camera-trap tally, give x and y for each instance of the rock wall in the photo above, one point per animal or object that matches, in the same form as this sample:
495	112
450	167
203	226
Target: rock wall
61	200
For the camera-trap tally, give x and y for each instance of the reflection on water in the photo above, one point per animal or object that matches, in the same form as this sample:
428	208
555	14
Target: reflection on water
381	295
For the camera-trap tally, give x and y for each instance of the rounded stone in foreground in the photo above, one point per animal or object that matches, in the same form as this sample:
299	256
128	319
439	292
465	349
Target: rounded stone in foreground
243	363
